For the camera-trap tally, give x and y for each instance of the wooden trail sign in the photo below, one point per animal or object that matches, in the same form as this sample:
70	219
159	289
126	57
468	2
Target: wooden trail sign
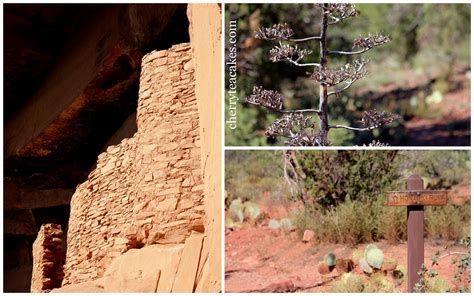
415	198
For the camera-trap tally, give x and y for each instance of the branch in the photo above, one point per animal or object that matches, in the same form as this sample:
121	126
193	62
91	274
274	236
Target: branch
317	111
372	119
348	52
305	39
452	253
272	100
280	32
303	65
366	43
293	180
336	92
361	129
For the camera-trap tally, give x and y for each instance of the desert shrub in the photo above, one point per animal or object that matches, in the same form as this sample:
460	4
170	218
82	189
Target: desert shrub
351	222
447	222
361	221
395	224
331	177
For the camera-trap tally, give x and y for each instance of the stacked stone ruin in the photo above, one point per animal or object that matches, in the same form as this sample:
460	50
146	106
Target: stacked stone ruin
147	190
48	259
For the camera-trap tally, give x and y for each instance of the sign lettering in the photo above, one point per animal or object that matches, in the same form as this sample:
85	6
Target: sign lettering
413	198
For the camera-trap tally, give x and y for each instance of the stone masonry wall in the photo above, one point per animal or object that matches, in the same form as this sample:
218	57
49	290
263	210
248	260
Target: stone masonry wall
48	259
147	189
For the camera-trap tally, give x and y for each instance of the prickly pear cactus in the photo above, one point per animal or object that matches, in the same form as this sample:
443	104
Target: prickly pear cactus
236	205
286	224
252	211
349	283
236	212
236	215
355	283
330	259
370	247
229	223
274	224
365	266
382	283
374	256
357	255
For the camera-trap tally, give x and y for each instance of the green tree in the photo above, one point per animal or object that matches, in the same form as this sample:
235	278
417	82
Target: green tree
331	177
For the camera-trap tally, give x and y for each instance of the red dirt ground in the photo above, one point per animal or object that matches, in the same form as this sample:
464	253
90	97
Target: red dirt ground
258	259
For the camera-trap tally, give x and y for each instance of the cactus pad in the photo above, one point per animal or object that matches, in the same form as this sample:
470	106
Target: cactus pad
357	255
365	266
252	211
286	224
374	257
330	259
274	224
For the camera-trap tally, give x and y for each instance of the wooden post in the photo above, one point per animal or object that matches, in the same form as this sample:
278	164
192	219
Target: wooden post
415	225
415	199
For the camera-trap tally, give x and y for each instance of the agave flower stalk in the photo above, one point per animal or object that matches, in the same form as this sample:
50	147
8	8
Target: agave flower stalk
297	126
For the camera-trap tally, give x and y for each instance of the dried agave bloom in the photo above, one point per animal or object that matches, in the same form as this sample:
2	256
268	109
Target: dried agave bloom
294	127
371	41
298	129
347	73
270	99
376	143
373	119
339	11
303	139
276	32
285	52
289	125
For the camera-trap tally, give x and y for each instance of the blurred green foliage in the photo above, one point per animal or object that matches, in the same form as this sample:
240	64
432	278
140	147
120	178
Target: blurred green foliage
430	41
250	174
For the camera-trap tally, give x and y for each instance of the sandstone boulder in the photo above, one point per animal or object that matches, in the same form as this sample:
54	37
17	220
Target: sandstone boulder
149	269
308	235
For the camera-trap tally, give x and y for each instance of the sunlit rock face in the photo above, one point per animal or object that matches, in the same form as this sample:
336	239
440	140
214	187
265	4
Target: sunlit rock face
112	155
148	189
